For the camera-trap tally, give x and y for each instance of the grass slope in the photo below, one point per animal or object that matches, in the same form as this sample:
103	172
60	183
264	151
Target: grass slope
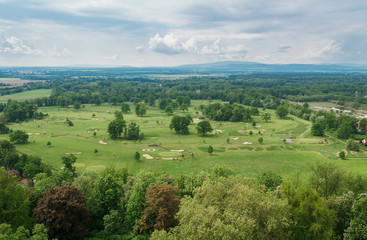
27	95
246	160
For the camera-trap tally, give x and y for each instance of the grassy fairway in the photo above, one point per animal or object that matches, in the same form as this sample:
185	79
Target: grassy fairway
244	159
40	93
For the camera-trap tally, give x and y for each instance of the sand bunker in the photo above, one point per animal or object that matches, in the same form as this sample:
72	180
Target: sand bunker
101	142
167	158
180	150
147	156
344	150
236	138
288	140
33	134
149	150
75	153
247	143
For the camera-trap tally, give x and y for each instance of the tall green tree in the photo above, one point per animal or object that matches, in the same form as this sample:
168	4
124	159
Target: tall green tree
204	127
231	209
18	136
180	124
282	111
140	109
116	128
312	217
125	107
358	225
14	203
266	117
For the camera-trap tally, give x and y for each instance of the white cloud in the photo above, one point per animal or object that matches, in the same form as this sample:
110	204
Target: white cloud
168	44
171	44
139	48
323	49
14	45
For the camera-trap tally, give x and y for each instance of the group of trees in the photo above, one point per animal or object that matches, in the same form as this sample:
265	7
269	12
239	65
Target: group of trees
343	126
180	124
229	112
118	126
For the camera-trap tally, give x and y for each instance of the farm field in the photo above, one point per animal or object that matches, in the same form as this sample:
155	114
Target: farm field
27	95
295	155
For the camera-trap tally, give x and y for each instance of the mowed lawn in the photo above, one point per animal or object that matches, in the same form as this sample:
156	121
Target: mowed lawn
27	95
227	140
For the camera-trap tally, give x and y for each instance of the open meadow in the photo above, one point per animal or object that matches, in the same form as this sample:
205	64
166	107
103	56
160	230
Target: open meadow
26	95
284	157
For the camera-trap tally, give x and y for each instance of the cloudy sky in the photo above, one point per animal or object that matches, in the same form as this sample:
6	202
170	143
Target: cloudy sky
175	32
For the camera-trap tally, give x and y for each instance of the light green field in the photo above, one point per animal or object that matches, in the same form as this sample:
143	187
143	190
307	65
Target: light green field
27	95
246	160
9	79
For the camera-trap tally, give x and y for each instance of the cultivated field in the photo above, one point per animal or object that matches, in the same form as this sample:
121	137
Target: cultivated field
245	159
15	82
27	95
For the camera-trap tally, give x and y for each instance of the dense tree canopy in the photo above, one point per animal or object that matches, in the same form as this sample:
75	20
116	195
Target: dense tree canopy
62	210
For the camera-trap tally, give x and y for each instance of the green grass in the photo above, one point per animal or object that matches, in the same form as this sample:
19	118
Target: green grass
9	79
245	160
27	95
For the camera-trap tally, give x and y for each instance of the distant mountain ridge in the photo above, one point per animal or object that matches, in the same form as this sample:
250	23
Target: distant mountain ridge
237	66
227	67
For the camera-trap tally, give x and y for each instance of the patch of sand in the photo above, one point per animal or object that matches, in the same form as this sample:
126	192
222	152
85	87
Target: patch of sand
149	150
75	153
180	150
101	142
247	143
33	134
147	156
236	138
344	150
167	158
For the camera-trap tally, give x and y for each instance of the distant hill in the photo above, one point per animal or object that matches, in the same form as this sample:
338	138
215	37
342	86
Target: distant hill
253	67
229	67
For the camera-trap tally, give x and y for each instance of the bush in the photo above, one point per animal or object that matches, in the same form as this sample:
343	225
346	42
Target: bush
352	145
18	136
342	154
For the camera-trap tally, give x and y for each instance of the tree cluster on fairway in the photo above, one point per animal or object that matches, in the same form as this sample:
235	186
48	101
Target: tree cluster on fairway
118	126
19	111
18	136
204	127
282	111
140	109
180	124
228	112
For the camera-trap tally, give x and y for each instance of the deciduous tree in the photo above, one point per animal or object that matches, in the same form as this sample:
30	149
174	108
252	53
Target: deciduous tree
18	136
161	206
62	210
204	127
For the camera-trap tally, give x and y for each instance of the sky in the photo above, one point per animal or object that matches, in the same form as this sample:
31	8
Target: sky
178	32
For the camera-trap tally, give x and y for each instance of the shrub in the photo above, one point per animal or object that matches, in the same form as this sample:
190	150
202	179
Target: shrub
352	145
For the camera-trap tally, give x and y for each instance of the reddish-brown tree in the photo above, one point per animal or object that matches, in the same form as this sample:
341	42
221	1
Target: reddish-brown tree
63	211
161	206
